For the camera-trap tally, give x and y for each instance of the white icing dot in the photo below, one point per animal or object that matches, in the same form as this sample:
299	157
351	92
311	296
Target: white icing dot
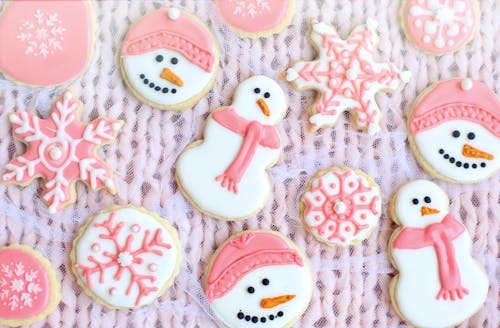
371	23
465	29
67	95
291	74
427	39
351	74
116	126
418	23
109	184
125	258
112	291
153	267
135	228
96	247
466	84
52	209
339	207
55	153
373	129
174	13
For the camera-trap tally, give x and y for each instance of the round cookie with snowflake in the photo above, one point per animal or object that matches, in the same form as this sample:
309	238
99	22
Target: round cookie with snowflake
341	206
126	257
29	288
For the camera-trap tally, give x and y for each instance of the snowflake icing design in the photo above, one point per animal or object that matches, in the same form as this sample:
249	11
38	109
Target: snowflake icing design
346	75
43	35
61	150
250	8
19	286
441	24
341	207
123	258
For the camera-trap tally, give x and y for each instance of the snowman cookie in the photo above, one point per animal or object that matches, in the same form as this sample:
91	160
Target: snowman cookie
46	43
346	76
29	286
225	175
455	131
258	279
61	150
439	284
257	18
439	27
126	257
169	59
341	206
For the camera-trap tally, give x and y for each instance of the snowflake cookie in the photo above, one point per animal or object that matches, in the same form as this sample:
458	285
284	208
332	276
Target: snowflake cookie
126	257
61	150
439	26
29	288
346	76
341	206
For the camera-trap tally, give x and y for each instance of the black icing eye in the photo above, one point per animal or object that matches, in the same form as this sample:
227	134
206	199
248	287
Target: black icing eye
251	290
456	134
159	58
256	90
415	201
427	199
267	95
265	281
174	60
471	136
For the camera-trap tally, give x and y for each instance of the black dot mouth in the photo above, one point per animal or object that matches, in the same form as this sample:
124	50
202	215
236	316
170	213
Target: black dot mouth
461	164
156	87
257	319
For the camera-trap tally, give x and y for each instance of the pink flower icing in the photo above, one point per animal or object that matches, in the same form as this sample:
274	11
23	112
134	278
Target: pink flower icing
45	42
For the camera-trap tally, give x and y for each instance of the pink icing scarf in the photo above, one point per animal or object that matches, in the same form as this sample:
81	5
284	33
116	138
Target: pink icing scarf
440	236
254	134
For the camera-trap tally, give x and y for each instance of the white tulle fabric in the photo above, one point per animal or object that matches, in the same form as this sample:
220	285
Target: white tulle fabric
351	286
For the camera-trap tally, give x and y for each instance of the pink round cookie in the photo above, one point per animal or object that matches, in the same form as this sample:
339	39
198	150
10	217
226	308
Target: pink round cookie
440	26
29	290
257	18
341	206
46	43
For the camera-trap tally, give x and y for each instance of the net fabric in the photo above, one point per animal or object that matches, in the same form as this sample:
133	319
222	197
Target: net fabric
352	283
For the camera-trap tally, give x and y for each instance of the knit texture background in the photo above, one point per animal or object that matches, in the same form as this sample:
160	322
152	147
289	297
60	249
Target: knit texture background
351	284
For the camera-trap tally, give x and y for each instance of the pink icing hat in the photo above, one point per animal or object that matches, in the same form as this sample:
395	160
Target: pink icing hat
457	99
171	29
244	254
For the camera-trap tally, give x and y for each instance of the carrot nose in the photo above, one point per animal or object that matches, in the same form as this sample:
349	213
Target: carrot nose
469	151
263	106
271	302
170	76
424	210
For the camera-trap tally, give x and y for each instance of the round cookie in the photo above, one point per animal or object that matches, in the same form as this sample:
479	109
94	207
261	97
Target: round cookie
454	131
258	278
341	206
225	174
257	18
126	257
169	59
29	286
438	283
46	43
439	27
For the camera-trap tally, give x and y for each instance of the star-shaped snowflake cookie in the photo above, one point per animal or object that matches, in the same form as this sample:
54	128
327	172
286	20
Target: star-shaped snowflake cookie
61	150
346	76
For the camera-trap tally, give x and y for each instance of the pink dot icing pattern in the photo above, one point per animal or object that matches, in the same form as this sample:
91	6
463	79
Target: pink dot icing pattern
45	42
254	15
347	76
440	26
24	285
341	207
61	150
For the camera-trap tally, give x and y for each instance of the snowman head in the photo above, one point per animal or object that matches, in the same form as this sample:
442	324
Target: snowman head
169	58
260	99
456	128
420	203
258	278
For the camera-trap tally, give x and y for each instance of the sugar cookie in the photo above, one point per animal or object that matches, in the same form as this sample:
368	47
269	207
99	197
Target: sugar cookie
439	284
258	278
126	257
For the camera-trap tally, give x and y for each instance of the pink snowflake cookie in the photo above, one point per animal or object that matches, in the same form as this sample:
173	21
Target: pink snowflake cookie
439	26
29	289
126	257
346	76
341	206
61	150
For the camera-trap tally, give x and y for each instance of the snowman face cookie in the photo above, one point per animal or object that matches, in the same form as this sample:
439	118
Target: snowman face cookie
169	59
438	283
455	131
258	277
